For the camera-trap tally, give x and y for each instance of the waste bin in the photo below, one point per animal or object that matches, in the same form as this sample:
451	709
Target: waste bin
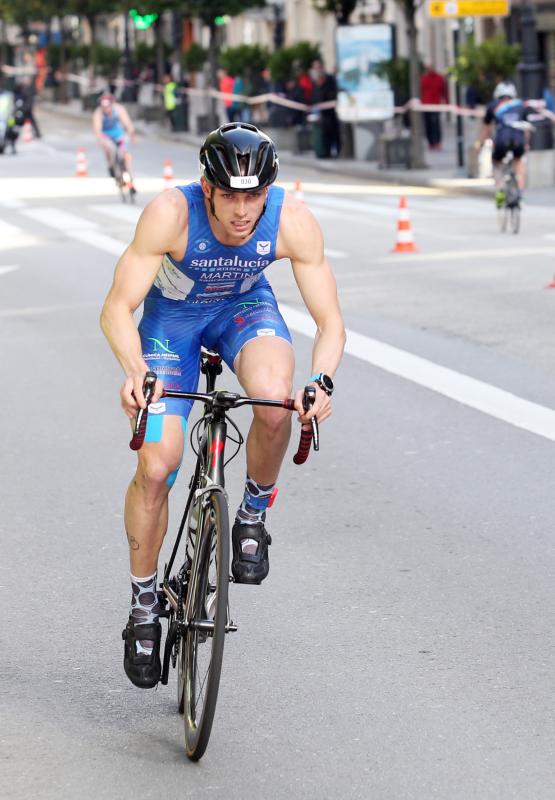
394	152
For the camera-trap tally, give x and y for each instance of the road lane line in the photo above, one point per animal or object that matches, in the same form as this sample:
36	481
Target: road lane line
12	237
8	268
470	392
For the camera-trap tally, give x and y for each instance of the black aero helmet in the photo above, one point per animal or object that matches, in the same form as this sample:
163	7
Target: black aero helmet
239	157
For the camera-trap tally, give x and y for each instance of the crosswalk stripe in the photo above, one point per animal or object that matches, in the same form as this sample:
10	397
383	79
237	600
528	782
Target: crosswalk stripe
12	237
8	268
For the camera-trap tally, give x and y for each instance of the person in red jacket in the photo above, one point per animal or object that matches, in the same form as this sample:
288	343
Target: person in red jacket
433	90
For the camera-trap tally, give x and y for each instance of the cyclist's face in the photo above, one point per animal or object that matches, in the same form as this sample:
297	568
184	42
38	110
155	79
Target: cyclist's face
238	211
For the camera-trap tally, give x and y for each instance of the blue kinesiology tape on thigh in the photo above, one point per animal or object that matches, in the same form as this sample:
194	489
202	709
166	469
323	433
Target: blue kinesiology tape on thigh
154	428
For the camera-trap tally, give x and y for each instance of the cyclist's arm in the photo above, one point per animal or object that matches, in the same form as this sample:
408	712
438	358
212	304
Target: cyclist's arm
300	239
97	123
158	231
125	120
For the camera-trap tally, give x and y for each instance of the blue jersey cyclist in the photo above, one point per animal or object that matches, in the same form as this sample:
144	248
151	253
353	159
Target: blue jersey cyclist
197	261
509	114
112	124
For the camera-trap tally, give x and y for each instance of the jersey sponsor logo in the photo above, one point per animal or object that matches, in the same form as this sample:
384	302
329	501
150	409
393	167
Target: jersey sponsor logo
238	263
265	332
263	248
159	345
203	245
156	408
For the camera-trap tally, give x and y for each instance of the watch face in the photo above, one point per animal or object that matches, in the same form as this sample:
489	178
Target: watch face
327	383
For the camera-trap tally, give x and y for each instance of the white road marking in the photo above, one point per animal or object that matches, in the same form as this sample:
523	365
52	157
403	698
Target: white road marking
11	237
335	253
470	392
11	202
118	211
75	227
8	268
61	220
461	255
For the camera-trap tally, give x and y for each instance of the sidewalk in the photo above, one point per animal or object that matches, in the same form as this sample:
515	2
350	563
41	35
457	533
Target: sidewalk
442	171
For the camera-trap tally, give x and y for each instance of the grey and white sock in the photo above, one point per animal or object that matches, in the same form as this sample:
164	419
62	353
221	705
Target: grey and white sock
145	608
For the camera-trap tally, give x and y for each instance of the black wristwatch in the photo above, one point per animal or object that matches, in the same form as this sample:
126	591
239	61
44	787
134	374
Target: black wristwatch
324	382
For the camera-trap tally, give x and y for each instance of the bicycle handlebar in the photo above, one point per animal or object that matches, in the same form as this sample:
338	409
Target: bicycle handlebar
224	399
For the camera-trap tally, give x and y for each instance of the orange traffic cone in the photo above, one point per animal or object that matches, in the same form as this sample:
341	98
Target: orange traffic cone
405	242
168	172
81	164
298	191
550	285
27	132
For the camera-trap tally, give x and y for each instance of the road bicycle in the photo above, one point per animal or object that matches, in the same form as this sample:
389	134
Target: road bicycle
508	214
193	595
122	176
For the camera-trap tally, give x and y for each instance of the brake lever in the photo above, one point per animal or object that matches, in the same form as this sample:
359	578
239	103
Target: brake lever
309	398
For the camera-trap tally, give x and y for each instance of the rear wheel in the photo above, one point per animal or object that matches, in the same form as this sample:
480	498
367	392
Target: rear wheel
201	650
515	218
503	218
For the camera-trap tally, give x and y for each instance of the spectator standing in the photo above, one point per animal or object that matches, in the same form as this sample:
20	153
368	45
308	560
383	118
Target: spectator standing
170	100
26	91
327	140
225	85
433	91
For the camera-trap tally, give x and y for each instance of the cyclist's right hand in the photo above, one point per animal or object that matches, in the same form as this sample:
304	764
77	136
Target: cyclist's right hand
132	397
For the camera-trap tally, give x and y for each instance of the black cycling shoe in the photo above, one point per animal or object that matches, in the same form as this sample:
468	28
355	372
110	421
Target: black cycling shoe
250	567
141	669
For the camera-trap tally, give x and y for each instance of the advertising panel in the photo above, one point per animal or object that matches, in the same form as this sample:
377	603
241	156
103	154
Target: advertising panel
363	95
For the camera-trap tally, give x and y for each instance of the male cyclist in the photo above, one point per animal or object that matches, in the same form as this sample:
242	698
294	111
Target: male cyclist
197	261
508	113
110	123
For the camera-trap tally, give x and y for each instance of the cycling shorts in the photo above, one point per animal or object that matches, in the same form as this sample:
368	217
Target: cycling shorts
172	333
508	141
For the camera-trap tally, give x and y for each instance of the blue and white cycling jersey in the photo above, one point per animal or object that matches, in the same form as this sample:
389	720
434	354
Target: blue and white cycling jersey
111	126
216	297
211	271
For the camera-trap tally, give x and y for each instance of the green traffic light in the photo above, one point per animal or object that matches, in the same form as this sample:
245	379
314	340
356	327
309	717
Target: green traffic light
142	21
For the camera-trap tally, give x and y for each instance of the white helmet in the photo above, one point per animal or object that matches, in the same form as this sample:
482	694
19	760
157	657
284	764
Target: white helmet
504	89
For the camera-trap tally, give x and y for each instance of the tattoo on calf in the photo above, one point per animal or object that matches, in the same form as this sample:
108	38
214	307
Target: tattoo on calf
133	543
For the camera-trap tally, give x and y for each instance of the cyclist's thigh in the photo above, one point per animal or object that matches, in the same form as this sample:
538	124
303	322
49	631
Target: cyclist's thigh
170	338
251	336
500	149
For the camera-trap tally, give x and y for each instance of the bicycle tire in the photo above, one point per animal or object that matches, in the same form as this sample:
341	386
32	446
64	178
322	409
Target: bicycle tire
502	218
515	219
213	574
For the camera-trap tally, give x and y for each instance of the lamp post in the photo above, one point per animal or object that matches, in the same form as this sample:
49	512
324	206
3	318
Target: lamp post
128	94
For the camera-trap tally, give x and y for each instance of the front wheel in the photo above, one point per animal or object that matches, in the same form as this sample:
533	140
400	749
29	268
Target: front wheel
515	218
201	651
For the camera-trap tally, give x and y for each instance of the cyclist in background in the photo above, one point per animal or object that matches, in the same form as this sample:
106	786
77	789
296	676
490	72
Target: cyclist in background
507	112
110	123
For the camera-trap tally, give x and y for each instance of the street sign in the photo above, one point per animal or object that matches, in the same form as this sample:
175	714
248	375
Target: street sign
469	8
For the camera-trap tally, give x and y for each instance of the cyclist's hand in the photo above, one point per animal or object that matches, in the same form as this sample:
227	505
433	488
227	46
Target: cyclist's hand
321	408
132	397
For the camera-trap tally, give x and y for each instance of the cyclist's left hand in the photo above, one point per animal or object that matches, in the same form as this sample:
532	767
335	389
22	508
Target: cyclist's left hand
321	408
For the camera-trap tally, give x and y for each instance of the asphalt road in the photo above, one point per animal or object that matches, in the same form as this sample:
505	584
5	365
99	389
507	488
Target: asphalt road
402	647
